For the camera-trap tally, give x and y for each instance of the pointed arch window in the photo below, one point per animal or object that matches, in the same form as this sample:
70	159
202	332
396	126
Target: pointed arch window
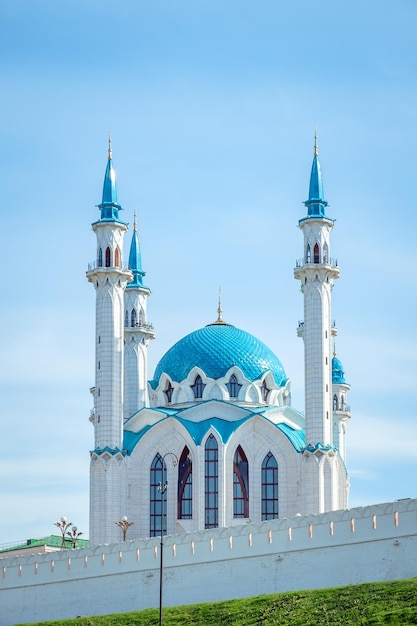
168	391
126	318
325	253
240	484
335	403
211	483
158	517
100	257
269	487
108	257
342	402
117	257
308	254
133	318
233	386
141	316
185	485
265	391
316	253
198	387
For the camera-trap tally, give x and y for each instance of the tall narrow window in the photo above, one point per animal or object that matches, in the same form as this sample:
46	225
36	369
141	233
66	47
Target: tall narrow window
240	484
168	391
126	318
325	253
133	318
141	316
185	486
269	487
158	522
335	403
100	257
198	387
308	254
211	482
265	391
117	258
316	253
108	257
233	386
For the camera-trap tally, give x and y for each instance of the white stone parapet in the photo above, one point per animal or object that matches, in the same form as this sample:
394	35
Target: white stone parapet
366	544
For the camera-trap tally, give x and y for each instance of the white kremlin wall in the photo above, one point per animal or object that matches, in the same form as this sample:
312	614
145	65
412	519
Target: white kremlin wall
373	543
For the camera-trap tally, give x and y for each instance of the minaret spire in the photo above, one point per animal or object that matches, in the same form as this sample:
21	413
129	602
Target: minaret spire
109	205
316	204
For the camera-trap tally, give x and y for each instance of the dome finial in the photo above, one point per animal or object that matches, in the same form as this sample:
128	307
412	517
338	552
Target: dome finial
219	319
134	221
316	147
110	152
334	349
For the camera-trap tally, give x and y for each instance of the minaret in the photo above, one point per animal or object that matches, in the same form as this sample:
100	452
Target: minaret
341	410
109	278
138	333
317	271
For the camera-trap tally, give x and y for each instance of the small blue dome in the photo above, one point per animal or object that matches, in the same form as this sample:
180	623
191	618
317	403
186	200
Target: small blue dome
338	375
215	349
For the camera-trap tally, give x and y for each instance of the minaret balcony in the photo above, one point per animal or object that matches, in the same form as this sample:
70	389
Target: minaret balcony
300	328
94	266
312	263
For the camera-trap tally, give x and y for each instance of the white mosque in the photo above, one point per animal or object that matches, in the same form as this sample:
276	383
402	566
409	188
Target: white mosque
214	420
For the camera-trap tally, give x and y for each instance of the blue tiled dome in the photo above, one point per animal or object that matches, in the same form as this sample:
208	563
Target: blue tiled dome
338	375
215	349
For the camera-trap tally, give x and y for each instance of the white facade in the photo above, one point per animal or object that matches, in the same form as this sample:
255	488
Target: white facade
216	419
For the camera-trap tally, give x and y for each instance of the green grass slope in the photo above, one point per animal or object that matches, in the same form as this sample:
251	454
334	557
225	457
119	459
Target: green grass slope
372	603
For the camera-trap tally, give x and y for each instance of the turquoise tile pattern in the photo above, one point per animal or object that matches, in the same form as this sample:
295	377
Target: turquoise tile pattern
215	349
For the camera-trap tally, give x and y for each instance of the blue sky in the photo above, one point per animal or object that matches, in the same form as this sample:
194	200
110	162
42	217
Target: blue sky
212	107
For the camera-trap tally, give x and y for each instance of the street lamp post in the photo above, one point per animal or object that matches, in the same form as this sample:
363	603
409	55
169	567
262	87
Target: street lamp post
74	535
124	525
162	487
63	526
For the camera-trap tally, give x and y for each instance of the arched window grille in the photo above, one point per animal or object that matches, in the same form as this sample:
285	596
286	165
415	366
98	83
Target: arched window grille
325	253
198	387
316	253
269	487
265	391
133	318
158	518
308	254
211	483
141	316
240	484
100	257
117	257
335	403
108	257
185	486
168	391
233	386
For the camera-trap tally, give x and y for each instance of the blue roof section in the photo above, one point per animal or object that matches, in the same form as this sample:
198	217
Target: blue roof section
316	204
215	349
135	262
223	428
109	206
338	375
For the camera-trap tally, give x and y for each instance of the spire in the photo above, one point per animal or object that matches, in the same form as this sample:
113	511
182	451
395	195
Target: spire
220	310
135	259
109	206
316	203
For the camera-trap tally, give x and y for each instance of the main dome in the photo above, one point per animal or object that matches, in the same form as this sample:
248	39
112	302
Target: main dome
215	348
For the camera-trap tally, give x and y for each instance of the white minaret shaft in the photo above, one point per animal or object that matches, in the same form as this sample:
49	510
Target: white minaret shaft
109	279
317	272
